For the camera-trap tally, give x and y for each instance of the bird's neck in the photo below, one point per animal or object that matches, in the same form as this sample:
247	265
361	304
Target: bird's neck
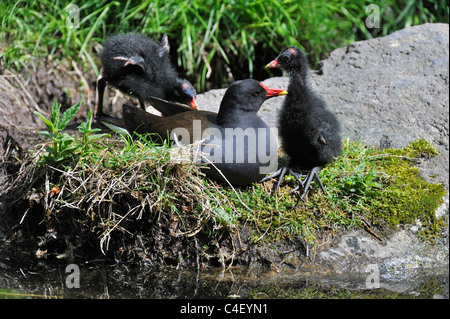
231	117
299	90
226	117
170	85
299	76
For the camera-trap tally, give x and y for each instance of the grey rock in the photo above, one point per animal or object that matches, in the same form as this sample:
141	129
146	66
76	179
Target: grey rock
393	90
386	92
401	258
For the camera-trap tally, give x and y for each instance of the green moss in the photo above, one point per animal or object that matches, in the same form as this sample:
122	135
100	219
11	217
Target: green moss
406	197
421	148
379	189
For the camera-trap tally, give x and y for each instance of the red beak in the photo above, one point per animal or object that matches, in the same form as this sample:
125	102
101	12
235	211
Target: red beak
273	92
193	104
273	64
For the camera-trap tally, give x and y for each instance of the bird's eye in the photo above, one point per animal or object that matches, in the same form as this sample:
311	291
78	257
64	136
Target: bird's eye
285	59
256	93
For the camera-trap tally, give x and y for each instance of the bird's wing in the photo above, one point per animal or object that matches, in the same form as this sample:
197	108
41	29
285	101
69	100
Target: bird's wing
167	108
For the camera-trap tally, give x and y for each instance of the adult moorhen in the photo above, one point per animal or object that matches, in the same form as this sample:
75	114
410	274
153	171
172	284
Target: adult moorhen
141	67
236	140
310	134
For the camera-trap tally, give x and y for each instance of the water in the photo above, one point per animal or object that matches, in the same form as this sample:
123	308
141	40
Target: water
102	281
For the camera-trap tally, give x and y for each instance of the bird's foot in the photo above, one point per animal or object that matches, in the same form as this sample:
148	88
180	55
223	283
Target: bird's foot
281	173
313	174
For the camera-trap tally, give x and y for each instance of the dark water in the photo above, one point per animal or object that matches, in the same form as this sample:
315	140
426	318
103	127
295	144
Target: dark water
97	281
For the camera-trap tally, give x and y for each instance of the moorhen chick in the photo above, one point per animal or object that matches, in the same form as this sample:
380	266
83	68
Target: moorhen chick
236	140
310	134
138	66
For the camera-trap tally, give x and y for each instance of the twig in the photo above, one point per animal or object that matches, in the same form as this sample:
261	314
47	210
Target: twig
370	231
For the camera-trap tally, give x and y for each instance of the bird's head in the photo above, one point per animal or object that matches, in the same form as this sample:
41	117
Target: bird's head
184	93
247	95
292	60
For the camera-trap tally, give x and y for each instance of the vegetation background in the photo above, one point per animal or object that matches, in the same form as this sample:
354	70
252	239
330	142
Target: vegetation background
212	42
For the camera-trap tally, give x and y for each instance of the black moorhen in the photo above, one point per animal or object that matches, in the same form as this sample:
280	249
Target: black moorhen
237	141
141	67
310	134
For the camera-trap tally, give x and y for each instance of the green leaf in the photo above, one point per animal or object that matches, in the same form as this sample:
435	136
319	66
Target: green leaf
55	113
48	124
66	138
95	136
69	151
68	115
82	127
46	134
89	119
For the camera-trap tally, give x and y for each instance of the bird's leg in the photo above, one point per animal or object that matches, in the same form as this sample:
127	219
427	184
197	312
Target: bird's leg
282	173
296	176
271	176
308	179
101	84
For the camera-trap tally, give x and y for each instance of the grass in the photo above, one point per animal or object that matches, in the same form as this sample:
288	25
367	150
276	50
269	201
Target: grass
135	196
213	42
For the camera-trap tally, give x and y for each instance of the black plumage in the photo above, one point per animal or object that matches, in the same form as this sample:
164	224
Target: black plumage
238	142
310	134
138	66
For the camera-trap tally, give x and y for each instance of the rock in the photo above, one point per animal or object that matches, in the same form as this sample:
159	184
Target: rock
387	91
402	258
394	90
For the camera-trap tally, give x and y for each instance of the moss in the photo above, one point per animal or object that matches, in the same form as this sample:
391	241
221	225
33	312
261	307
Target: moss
421	148
406	198
380	189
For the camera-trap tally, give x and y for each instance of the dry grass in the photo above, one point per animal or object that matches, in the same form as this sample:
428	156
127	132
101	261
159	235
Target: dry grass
129	194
